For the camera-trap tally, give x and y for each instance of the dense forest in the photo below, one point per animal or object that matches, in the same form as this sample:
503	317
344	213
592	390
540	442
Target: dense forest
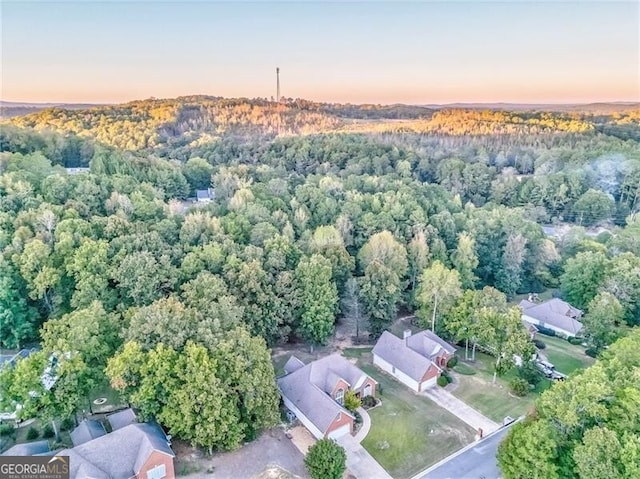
320	212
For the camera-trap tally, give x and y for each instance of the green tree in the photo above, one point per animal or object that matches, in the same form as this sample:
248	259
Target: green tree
351	401
593	206
198	173
352	307
599	454
18	319
529	452
465	260
326	460
509	278
318	299
439	288
583	275
502	333
383	248
380	290
602	320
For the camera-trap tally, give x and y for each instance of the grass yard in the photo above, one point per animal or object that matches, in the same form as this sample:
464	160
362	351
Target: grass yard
105	391
408	432
566	357
492	400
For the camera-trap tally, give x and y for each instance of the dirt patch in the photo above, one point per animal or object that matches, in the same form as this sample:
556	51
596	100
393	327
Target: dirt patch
301	438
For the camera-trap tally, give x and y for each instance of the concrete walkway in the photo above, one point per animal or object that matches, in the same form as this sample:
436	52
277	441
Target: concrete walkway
460	409
366	425
359	461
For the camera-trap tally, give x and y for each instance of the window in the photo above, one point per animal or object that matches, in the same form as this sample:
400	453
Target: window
157	472
340	396
393	369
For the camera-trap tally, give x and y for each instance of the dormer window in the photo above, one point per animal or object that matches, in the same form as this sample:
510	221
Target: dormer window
340	396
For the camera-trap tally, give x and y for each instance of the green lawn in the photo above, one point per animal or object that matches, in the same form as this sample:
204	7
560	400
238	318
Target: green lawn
105	390
566	357
492	400
408	432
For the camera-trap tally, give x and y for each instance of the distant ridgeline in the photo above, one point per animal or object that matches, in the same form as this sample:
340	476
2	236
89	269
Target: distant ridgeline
198	120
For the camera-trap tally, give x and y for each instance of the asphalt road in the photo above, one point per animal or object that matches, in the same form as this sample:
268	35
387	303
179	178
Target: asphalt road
478	462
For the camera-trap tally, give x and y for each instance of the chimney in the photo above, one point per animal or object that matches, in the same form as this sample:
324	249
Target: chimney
406	334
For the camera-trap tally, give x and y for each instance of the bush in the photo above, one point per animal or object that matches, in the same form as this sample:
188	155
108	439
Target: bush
351	401
592	352
442	381
326	460
6	429
574	340
519	387
545	331
539	344
368	401
67	424
358	417
529	372
32	434
47	431
452	362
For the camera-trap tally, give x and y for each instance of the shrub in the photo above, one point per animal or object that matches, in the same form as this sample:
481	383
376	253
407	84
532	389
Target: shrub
452	362
326	460
358	417
539	344
368	401
351	401
47	431
545	331
574	340
592	352
519	387
6	429
442	381
529	372
67	424
32	434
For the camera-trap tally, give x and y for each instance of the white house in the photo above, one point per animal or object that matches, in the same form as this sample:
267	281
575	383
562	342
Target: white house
415	360
554	314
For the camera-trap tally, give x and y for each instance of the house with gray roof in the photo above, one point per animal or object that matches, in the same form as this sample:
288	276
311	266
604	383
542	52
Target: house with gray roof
415	360
86	431
36	448
140	450
315	393
205	196
123	418
553	314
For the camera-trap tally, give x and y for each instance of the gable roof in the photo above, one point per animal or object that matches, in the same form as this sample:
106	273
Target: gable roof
120	419
413	355
309	387
293	364
86	431
554	312
120	454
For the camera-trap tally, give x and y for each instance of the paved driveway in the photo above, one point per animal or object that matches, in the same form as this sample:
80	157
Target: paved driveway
460	409
359	462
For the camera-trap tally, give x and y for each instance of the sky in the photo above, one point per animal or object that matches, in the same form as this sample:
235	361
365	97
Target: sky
359	52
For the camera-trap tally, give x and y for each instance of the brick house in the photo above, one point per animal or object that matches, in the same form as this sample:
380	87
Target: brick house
315	393
415	360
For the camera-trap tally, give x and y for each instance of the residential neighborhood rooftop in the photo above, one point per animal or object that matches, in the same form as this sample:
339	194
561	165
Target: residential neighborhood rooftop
554	312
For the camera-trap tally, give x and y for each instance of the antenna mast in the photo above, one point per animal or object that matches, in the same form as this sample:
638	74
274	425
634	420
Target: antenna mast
278	84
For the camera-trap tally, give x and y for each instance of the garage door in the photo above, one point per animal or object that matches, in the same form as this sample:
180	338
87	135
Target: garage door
341	431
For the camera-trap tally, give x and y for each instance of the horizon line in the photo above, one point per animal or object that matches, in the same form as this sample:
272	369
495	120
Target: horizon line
426	104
